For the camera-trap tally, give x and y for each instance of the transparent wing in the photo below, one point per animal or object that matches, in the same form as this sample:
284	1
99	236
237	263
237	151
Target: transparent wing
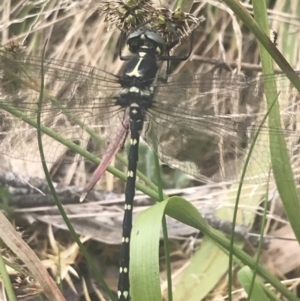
200	123
204	124
78	100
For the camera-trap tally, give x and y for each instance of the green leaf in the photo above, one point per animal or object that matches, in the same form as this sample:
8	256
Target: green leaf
245	277
206	268
144	259
280	159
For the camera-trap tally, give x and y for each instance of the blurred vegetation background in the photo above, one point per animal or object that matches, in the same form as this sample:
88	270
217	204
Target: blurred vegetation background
76	31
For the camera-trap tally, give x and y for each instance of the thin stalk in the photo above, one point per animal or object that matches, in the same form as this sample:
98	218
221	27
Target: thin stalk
230	278
6	281
165	230
260	244
280	158
53	191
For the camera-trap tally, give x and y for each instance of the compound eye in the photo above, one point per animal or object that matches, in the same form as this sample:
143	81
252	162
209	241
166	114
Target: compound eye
133	44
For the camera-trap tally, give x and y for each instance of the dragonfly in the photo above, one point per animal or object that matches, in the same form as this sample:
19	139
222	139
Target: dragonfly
202	124
134	98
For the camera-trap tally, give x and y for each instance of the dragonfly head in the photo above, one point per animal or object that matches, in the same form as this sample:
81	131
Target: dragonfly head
145	38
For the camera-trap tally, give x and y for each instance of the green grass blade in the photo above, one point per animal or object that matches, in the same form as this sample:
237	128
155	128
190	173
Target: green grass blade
279	153
6	281
245	277
239	192
260	245
145	246
165	232
206	268
53	192
263	38
185	212
144	269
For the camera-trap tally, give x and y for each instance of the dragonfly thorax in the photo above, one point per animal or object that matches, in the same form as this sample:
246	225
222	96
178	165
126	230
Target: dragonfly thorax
140	72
